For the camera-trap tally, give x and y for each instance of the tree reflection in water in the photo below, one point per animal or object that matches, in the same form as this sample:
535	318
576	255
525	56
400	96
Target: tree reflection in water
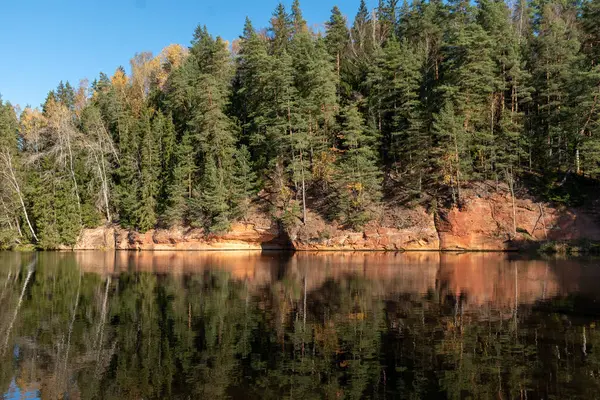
127	325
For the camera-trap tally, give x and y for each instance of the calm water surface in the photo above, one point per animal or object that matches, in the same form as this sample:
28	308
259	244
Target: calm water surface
125	325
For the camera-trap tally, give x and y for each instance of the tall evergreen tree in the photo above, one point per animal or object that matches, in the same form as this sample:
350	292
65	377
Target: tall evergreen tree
149	171
213	130
358	187
336	42
396	80
281	29
469	82
454	159
555	58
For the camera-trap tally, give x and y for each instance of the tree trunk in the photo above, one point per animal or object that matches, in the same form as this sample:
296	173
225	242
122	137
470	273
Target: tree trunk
511	185
10	174
457	169
543	222
105	189
303	190
100	165
72	170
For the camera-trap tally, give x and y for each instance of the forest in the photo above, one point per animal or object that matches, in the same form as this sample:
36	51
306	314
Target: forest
404	104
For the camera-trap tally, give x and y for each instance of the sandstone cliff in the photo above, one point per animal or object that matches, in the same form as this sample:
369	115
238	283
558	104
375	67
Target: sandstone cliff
485	221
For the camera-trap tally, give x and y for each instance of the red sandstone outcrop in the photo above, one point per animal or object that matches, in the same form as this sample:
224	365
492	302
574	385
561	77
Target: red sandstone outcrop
242	236
486	223
483	222
418	234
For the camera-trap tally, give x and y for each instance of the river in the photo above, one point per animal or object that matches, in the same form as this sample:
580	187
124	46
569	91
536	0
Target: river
272	325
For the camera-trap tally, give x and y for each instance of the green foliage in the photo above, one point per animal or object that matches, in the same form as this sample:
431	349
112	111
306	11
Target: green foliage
408	102
358	187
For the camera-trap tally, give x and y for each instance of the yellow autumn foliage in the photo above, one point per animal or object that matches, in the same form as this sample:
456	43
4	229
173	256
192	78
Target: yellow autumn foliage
119	80
324	166
31	121
170	58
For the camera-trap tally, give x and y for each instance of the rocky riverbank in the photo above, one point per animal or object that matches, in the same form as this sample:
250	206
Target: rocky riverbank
485	221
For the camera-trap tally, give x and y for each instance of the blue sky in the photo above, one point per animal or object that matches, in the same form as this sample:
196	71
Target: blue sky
45	41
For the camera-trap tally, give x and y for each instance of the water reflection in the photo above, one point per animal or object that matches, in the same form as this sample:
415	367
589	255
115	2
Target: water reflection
279	325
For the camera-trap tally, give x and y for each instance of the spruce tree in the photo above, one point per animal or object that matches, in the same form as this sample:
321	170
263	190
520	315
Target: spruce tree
395	82
512	90
280	30
253	66
245	183
214	131
336	43
314	106
555	59
163	130
453	157
358	186
212	205
149	171
179	189
470	81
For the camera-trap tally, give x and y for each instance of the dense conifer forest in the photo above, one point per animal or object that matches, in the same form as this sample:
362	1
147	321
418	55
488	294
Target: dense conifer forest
404	103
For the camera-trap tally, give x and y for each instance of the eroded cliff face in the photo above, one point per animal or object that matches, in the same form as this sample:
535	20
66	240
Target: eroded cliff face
488	223
483	222
242	236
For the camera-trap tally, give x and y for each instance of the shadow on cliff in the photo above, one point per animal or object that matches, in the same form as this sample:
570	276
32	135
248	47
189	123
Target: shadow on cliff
280	242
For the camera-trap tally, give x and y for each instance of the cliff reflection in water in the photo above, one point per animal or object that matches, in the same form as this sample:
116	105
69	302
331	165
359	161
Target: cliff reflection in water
128	325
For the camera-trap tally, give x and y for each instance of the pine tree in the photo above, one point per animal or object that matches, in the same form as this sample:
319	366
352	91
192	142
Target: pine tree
585	93
149	170
386	20
470	81
298	22
395	81
424	24
555	59
337	40
65	94
179	190
591	31
280	30
454	161
511	92
212	204
214	131
358	187
253	66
